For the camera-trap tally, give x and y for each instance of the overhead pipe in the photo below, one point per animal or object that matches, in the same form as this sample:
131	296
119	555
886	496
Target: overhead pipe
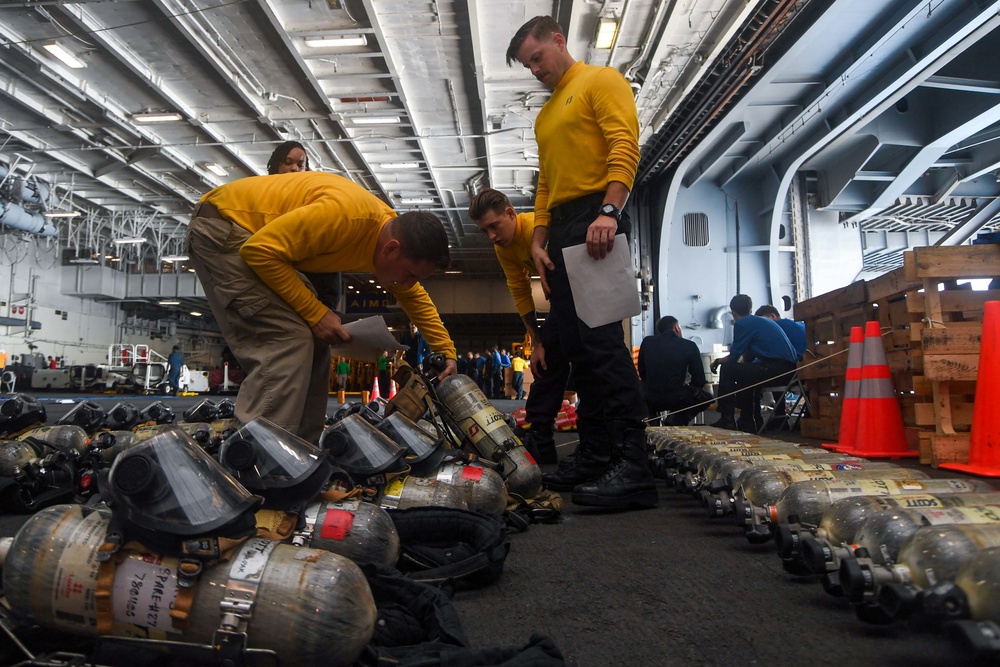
15	216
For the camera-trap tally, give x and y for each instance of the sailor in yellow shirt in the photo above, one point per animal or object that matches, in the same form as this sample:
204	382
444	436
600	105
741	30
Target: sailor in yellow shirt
588	153
248	241
511	235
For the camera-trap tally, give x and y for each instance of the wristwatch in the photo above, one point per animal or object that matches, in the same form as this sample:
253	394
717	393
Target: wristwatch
612	211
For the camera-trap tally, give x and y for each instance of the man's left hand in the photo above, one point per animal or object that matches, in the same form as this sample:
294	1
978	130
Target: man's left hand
601	236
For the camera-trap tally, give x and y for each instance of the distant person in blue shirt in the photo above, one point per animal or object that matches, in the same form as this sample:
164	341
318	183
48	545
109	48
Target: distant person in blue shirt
768	358
419	349
174	362
796	331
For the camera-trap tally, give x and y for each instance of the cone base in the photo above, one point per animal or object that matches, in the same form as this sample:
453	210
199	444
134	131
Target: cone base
835	446
879	454
981	470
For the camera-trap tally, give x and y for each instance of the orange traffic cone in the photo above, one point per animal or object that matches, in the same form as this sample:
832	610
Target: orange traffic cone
392	389
880	432
852	394
984	442
375	396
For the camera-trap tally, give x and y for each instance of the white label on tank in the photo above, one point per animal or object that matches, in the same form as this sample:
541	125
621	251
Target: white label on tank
349	504
962	515
250	561
144	591
73	595
959	485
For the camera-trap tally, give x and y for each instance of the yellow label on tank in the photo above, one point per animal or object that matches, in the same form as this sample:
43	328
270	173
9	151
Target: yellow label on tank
987	514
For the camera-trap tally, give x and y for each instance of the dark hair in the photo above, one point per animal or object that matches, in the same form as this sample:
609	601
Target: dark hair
741	305
422	238
280	153
488	200
539	27
666	324
767	310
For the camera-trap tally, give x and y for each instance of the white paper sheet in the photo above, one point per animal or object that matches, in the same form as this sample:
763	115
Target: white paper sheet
369	337
604	290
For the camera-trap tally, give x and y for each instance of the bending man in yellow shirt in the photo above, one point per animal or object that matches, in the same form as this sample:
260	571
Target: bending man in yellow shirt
248	241
511	235
588	153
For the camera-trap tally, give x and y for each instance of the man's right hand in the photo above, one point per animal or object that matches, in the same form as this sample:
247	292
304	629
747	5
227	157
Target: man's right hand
538	365
329	330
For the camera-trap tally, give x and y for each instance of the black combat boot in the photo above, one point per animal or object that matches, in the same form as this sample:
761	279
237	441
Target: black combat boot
540	443
591	458
628	481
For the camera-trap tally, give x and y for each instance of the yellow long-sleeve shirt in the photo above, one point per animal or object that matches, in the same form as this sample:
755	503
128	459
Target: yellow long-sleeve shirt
587	135
322	223
516	262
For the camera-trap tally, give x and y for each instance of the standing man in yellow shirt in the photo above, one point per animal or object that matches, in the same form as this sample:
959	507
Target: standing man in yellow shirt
588	147
511	235
517	366
250	239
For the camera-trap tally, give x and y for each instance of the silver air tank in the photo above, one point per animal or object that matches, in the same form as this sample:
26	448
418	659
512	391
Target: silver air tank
487	432
354	529
312	607
408	491
484	489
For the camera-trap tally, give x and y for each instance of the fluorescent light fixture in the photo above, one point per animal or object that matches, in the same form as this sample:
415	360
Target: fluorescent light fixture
83	260
336	41
170	303
606	30
375	120
155	117
61	214
174	258
416	200
196	313
216	169
65	56
128	240
371	281
400	165
452	273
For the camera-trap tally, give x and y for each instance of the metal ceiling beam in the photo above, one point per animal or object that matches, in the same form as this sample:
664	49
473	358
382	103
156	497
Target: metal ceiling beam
479	71
963	231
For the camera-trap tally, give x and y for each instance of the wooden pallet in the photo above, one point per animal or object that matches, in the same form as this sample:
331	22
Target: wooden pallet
946	333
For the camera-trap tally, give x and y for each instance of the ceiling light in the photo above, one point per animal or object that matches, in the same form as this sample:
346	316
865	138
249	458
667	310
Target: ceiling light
452	273
375	120
129	239
364	99
174	258
606	30
65	56
216	169
196	313
400	165
155	117
416	200
61	214
170	303
83	260
334	42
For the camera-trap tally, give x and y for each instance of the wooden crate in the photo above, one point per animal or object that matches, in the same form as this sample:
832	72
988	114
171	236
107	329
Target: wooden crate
946	330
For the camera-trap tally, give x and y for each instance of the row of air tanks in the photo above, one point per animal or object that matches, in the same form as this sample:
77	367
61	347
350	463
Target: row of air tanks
897	543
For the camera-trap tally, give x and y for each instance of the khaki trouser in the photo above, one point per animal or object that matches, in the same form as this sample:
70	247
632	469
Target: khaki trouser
287	370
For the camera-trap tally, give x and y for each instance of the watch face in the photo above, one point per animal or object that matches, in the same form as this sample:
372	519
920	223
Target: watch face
610	209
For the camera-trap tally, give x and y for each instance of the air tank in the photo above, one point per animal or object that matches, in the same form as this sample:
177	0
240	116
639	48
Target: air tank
880	524
312	607
352	528
202	433
408	491
760	490
487	432
67	439
932	556
484	489
109	444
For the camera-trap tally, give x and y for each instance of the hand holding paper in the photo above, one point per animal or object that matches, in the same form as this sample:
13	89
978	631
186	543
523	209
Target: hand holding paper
369	337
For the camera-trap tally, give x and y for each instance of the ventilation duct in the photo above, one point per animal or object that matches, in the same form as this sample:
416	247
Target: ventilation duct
12	215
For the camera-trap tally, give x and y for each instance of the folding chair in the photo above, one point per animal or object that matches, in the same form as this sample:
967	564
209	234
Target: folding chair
793	413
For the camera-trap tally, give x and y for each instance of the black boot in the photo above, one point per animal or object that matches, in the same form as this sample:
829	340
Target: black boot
587	463
628	481
540	444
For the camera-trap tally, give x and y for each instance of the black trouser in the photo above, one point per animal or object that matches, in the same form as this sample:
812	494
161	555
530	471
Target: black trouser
604	374
737	376
679	402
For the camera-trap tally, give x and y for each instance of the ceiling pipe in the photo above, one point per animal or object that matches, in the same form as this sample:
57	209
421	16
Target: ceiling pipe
16	217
